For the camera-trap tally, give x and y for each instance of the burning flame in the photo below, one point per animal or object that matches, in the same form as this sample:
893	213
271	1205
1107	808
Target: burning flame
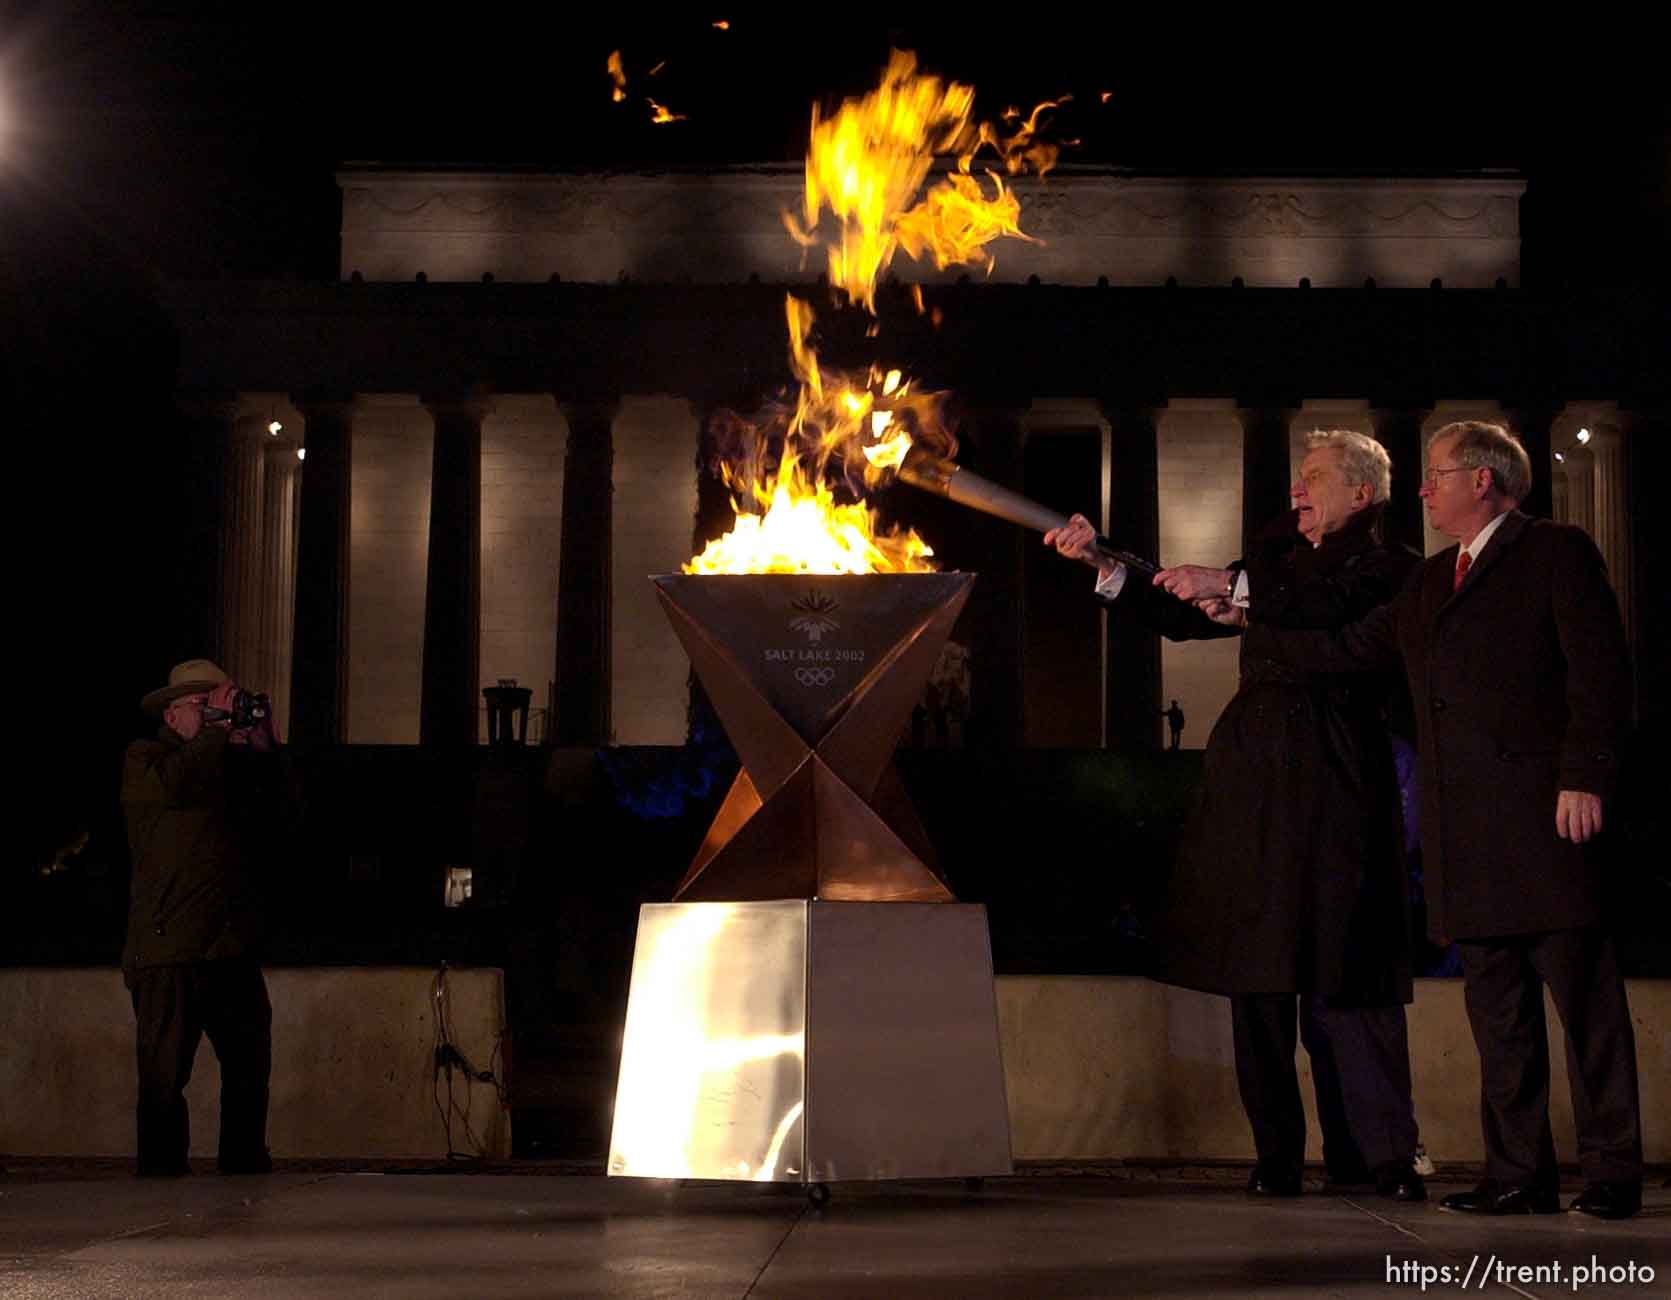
790	515
868	165
618	75
660	116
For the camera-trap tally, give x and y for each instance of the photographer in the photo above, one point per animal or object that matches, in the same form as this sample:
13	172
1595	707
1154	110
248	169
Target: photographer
200	802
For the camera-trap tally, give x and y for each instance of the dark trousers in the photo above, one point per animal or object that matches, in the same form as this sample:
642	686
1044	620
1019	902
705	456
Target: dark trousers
1360	1067
1503	983
174	1006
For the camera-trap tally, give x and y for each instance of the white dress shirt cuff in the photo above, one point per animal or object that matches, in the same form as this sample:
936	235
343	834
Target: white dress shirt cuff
1108	588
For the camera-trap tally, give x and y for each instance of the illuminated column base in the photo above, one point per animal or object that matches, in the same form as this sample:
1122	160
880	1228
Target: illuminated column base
811	1042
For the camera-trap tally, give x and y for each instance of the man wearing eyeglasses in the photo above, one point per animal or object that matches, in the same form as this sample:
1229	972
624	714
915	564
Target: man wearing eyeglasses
1515	654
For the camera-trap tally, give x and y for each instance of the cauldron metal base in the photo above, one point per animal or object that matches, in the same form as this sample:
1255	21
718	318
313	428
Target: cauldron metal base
806	1041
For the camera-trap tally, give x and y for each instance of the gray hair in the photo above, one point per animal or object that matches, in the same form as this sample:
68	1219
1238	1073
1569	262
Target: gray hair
1362	460
1482	445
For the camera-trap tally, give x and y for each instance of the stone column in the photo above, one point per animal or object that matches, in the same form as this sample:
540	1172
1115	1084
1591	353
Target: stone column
1399	430
1610	525
584	607
240	550
1579	465
1132	690
451	697
278	576
319	672
1648	461
1266	472
1558	506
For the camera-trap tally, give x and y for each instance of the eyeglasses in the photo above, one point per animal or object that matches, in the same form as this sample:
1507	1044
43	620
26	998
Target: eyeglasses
1431	478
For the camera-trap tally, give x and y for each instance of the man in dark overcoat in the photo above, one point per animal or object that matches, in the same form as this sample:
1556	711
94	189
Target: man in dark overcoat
1289	890
1515	654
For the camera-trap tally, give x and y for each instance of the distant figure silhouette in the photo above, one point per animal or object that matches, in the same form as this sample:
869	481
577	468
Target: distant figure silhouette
1175	720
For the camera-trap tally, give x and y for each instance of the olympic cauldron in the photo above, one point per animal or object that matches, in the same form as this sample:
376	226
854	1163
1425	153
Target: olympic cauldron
814	1006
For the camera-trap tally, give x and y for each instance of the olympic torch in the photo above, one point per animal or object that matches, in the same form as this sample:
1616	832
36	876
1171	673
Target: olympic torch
922	469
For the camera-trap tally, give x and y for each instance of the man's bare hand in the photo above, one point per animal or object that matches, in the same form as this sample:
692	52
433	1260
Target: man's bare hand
1577	815
1221	610
1077	539
222	698
1194	582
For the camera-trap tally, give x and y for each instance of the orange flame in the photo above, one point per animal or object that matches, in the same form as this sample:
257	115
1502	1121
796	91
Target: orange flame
618	75
661	116
868	164
790	518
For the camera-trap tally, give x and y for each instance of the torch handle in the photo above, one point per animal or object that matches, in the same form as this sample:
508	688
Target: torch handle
1136	563
949	479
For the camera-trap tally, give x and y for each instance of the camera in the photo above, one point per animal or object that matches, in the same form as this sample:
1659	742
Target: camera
248	708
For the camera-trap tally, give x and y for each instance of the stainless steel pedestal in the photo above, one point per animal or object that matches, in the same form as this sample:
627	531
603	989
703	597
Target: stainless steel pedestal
811	1042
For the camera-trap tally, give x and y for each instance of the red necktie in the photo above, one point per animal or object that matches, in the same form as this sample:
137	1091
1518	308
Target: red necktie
1464	561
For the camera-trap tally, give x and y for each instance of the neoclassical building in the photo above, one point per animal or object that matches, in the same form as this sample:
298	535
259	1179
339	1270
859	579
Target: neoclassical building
502	405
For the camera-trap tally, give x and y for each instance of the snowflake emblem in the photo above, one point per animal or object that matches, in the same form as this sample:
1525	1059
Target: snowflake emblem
816	612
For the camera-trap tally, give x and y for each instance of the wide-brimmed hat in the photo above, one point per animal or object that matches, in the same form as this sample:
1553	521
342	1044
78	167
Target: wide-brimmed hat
190	678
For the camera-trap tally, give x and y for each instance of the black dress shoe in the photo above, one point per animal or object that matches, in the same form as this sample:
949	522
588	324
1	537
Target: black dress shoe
1398	1181
1500	1198
1268	1180
1608	1200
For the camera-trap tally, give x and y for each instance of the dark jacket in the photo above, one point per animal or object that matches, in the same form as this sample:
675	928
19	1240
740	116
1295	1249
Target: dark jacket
1291	876
1521	683
196	813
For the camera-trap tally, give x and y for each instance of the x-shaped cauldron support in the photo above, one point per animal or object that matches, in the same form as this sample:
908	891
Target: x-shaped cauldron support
814	679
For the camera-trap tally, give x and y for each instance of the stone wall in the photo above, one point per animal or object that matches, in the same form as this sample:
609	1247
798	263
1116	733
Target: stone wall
723	226
1096	1068
353	1064
1105	1068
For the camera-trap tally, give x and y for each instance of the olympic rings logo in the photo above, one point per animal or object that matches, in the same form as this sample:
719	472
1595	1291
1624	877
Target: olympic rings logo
815	676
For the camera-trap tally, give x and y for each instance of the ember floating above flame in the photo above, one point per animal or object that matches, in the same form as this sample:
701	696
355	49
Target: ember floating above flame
798	482
659	115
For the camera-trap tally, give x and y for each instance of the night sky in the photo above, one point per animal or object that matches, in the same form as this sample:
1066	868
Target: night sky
142	141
